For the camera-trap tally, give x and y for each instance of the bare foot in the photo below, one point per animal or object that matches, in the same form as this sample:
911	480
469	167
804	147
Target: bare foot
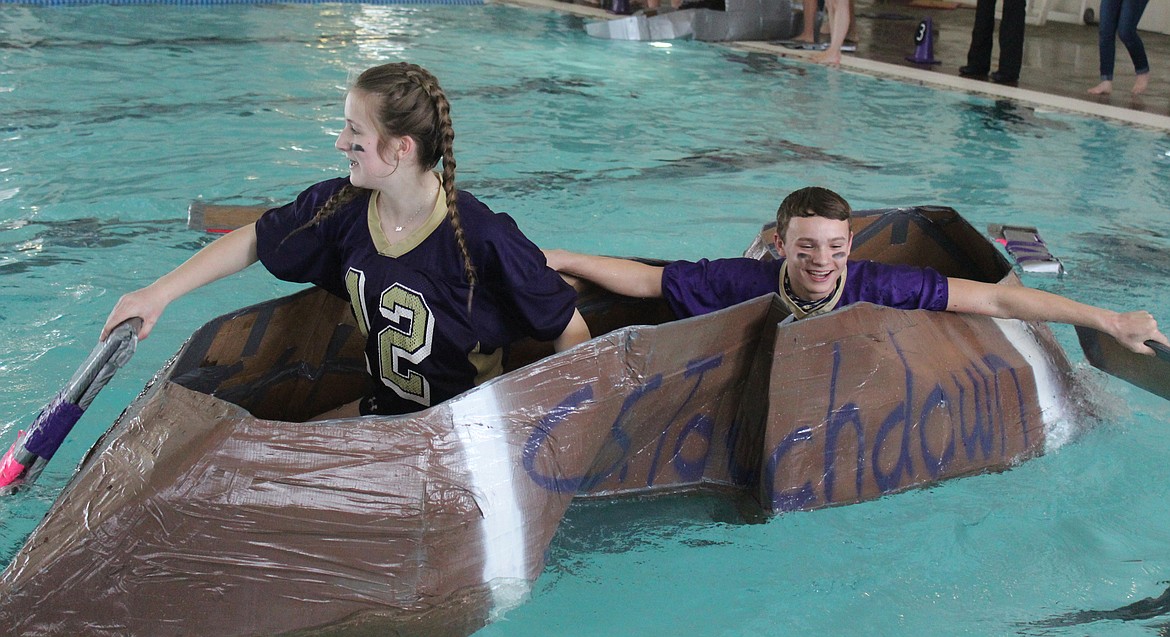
1104	88
1140	84
828	56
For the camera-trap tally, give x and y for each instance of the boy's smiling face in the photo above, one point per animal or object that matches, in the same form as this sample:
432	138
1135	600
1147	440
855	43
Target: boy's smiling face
817	249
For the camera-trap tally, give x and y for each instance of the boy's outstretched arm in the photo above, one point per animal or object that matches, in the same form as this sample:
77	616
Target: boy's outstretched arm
625	277
1131	329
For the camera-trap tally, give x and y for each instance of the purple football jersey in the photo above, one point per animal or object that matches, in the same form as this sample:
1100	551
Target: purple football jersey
694	288
422	346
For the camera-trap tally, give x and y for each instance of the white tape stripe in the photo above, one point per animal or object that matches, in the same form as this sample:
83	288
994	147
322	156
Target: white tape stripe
1054	412
491	463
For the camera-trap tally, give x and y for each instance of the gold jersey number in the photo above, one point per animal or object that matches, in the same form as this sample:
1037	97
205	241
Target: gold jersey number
406	338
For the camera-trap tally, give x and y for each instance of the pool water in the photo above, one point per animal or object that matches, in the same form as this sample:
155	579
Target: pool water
112	119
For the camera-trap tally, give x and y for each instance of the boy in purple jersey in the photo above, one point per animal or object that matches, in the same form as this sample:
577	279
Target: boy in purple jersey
815	276
439	283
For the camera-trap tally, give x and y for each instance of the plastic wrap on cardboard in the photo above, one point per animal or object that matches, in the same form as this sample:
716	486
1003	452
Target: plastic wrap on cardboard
740	20
212	508
1027	248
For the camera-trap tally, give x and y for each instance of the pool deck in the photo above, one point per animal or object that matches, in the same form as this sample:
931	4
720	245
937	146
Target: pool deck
1060	59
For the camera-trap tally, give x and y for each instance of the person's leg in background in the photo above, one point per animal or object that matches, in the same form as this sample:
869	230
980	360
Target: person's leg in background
1127	23
1011	42
982	32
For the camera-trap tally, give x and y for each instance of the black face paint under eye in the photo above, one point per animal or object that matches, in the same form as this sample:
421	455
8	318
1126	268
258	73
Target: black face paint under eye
356	148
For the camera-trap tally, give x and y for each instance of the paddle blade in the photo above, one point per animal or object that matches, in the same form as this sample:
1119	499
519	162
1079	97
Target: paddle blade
1151	373
221	219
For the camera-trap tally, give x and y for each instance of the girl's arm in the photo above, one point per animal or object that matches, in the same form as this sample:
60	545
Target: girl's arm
575	332
625	277
225	256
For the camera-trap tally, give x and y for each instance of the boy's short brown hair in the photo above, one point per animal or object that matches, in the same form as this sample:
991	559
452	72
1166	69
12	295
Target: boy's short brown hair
812	201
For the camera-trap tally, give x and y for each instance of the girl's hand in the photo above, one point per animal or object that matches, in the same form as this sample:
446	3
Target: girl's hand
145	303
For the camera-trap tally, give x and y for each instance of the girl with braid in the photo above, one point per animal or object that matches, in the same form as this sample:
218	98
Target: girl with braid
439	283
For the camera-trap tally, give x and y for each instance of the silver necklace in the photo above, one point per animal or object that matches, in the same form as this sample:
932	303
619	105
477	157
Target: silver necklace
411	219
399	228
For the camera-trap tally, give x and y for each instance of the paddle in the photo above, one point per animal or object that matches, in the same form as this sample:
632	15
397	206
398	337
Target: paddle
219	218
1151	373
35	447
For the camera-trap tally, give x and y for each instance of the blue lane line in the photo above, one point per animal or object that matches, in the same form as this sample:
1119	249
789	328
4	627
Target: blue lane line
60	3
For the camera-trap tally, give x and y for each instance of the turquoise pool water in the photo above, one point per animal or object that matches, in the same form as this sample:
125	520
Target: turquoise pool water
112	119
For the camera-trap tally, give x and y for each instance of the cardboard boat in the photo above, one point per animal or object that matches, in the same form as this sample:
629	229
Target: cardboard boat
212	508
734	20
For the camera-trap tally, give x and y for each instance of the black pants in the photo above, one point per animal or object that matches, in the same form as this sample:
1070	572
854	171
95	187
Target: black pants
1011	36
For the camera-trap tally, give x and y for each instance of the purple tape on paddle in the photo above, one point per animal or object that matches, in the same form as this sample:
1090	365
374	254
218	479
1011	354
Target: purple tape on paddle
51	427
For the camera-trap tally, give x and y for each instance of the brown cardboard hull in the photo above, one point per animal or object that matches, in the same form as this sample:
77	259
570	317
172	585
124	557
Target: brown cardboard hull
211	508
